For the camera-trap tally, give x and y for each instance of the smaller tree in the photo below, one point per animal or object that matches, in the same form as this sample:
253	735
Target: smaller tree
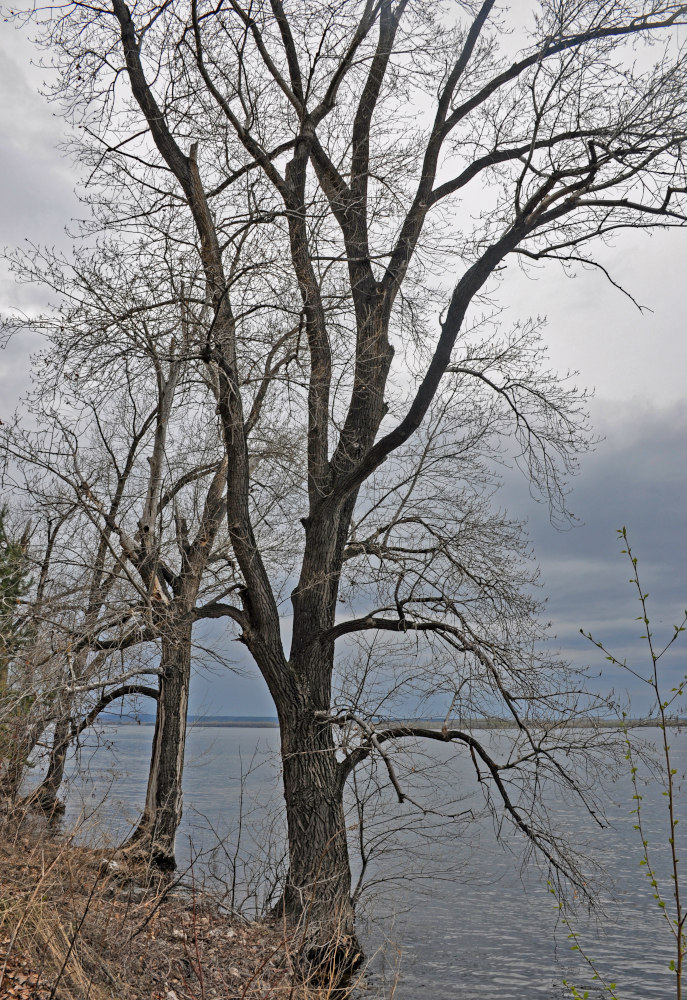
126	439
15	631
14	584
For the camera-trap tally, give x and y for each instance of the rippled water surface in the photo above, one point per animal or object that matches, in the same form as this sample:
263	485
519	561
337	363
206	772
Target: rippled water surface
470	923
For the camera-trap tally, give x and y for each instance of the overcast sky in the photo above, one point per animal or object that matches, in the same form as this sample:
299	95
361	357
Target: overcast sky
635	362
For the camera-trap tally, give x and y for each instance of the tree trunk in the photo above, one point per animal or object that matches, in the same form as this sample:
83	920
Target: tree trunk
156	831
18	738
317	895
45	796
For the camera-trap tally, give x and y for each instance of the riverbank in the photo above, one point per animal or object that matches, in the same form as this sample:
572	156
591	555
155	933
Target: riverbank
81	924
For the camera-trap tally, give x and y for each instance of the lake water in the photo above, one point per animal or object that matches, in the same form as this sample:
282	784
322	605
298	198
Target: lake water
453	913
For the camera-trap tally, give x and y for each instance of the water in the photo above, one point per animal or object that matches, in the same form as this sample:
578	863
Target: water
466	922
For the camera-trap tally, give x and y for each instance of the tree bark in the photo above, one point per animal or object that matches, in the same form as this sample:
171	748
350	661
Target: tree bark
319	880
156	831
317	894
45	796
18	738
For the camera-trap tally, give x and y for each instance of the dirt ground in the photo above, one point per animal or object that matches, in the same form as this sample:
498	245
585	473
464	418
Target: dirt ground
77	924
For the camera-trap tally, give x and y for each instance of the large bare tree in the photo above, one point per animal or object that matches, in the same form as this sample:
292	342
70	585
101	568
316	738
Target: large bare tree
349	163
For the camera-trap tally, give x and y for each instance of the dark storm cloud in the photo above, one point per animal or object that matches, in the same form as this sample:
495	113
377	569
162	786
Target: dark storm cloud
637	478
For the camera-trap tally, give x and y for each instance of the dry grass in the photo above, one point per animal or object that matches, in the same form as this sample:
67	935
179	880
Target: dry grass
76	924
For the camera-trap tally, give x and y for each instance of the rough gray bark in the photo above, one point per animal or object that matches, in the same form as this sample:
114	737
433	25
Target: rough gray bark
319	882
155	833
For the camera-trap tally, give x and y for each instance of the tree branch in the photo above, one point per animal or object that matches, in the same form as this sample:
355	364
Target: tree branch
121	692
542	842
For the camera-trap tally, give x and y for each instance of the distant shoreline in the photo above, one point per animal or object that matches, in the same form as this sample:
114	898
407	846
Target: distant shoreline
234	723
262	722
218	722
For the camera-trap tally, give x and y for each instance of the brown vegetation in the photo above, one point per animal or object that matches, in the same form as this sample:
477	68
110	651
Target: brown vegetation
79	924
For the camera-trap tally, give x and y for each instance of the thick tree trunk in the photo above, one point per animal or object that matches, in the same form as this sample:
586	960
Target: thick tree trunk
319	876
156	831
317	895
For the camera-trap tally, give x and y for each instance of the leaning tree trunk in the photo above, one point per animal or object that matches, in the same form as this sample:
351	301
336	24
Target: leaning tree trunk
44	797
18	739
156	831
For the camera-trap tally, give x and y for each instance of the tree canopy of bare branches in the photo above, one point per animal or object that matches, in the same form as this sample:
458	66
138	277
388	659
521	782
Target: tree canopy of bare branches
342	184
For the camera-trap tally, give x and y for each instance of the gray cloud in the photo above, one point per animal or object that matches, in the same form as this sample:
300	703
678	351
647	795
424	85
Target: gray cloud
636	362
37	198
592	328
636	478
37	183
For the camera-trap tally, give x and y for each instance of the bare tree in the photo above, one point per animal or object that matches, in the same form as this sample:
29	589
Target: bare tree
128	445
39	668
370	152
15	637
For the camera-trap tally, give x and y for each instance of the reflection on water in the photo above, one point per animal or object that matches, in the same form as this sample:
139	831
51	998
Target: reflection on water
489	930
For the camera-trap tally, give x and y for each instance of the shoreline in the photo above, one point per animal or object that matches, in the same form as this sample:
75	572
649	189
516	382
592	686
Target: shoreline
481	724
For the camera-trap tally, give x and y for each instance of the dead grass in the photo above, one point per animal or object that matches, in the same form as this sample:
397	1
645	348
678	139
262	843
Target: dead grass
79	924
